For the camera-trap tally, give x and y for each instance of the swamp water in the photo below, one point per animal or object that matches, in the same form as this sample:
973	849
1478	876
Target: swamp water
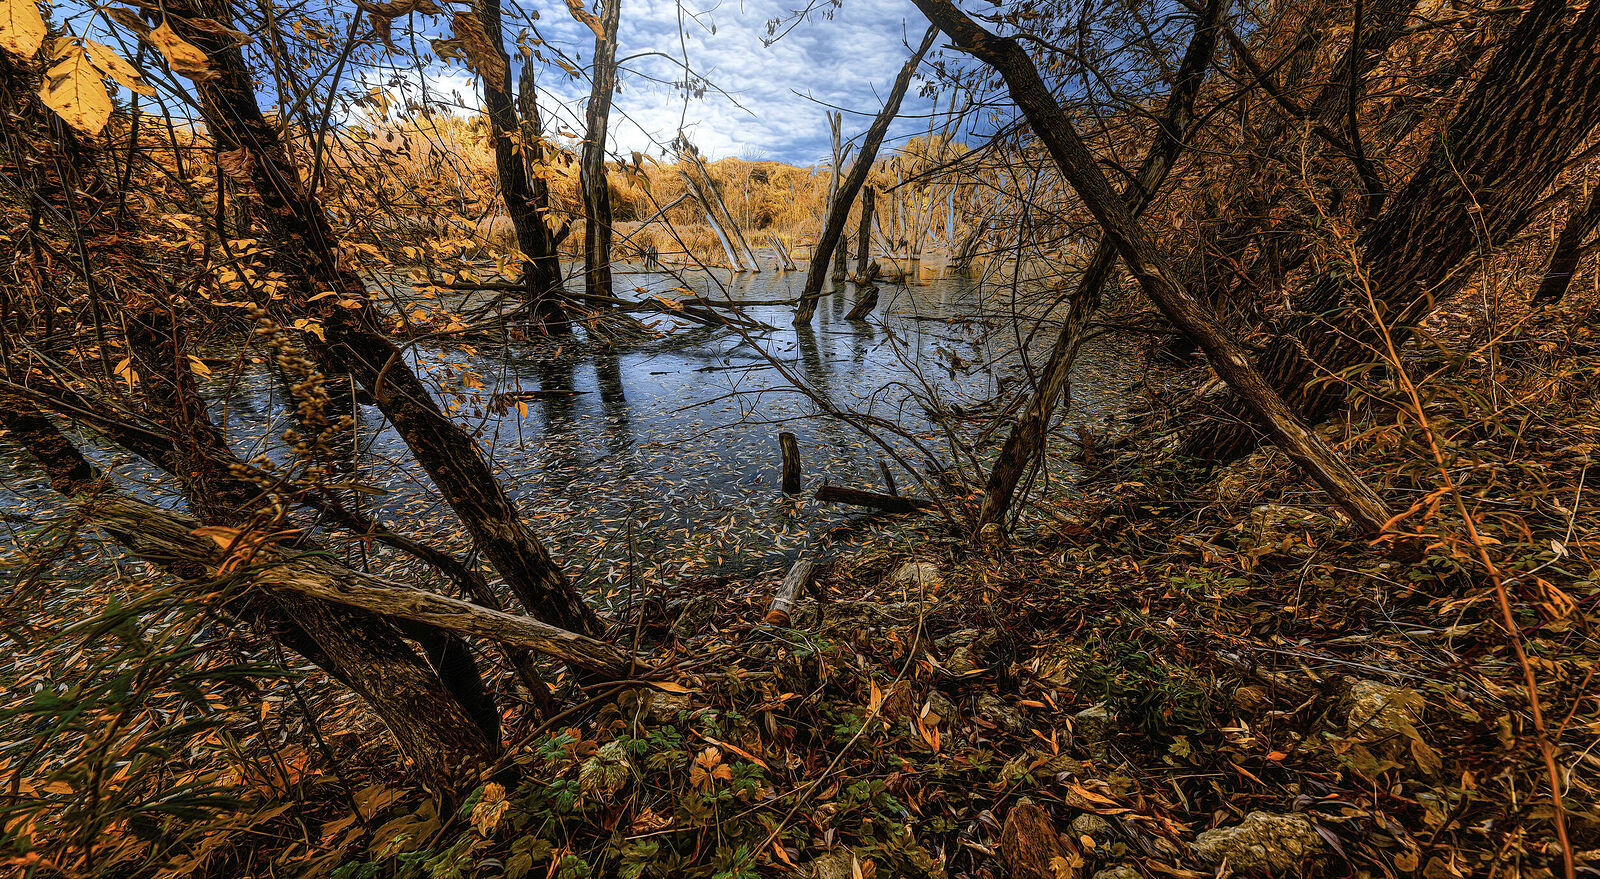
660	461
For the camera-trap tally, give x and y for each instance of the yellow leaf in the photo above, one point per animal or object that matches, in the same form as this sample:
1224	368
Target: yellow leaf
586	17
22	29
114	66
198	365
482	48
222	535
74	91
183	57
522	408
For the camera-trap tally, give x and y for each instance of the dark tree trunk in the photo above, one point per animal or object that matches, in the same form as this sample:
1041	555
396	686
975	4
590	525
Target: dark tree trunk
356	647
839	210
547	268
1138	250
869	198
1535	104
1026	441
516	147
298	226
1564	257
592	173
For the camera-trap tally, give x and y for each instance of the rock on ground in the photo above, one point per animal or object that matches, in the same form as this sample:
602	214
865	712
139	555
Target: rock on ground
917	578
1268	842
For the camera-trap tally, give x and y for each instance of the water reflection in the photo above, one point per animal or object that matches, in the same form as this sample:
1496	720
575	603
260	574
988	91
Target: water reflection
677	438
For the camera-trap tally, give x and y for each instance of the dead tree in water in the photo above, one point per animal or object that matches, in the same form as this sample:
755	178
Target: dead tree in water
716	205
592	172
864	234
298	226
526	196
838	212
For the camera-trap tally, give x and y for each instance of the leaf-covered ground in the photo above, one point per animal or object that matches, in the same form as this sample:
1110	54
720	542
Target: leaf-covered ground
1174	677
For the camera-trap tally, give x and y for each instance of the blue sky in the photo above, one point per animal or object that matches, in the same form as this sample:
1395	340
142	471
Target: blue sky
771	108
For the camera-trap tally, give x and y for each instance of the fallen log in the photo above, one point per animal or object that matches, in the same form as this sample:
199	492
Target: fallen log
889	503
794	582
169	539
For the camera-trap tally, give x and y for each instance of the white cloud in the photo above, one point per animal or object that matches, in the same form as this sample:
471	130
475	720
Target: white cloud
775	96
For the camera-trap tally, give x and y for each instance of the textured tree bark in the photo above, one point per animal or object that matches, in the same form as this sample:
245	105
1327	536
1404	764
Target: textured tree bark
431	723
1568	251
1536	102
1025	443
1155	278
547	268
353	646
839	210
299	228
592	171
516	151
869	198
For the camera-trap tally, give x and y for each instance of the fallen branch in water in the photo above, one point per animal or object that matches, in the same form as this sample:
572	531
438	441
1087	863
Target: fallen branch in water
862	498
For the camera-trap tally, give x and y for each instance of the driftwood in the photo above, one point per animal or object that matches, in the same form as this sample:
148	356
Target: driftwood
794	582
889	503
868	299
783	253
734	231
791	463
169	540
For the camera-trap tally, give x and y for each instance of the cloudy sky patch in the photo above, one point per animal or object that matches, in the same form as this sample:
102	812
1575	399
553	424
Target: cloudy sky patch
766	101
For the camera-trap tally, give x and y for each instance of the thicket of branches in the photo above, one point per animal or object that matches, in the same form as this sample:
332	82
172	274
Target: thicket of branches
1332	211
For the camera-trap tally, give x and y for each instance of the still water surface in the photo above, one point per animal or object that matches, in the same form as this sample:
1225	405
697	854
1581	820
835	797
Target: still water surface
663	457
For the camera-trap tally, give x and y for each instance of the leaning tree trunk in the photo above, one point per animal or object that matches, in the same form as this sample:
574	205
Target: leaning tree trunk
839	210
445	731
1138	250
1568	251
356	647
720	206
592	172
1537	101
304	240
516	148
1025	444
